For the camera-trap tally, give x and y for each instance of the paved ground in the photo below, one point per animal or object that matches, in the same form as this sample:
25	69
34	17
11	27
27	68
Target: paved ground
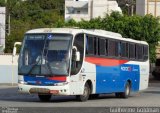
148	98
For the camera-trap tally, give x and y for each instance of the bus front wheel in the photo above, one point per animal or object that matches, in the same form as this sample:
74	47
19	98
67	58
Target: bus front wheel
44	98
85	95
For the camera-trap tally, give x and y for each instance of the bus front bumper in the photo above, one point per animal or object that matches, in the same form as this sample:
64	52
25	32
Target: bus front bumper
54	90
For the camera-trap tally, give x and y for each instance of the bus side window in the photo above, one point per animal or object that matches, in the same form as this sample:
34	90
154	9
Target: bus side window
95	46
145	53
124	53
119	49
106	47
116	48
102	45
139	52
127	50
90	45
132	51
111	48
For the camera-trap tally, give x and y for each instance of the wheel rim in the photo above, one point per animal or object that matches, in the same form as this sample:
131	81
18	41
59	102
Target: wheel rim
127	90
85	94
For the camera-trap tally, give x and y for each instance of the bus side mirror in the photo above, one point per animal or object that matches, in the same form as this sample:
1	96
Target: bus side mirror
15	49
76	54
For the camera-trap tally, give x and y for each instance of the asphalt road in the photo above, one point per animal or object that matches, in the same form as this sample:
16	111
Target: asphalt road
9	97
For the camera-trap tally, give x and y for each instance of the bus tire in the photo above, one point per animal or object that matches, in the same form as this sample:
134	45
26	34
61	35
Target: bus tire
44	98
127	91
85	95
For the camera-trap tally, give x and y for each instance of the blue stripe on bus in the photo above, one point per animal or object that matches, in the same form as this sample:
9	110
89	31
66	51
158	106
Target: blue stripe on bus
31	80
113	79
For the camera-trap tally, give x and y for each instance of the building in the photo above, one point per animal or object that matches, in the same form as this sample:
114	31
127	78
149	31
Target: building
88	9
144	7
158	51
2	28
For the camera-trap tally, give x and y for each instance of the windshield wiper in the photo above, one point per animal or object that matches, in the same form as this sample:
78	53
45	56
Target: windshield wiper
33	66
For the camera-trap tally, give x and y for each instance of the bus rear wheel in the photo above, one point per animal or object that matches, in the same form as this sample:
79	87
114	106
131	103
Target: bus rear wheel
85	95
126	93
44	97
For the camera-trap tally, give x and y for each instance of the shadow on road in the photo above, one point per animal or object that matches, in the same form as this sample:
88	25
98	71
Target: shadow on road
11	94
152	92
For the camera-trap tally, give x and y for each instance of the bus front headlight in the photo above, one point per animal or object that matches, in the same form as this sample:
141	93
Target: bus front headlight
60	84
22	82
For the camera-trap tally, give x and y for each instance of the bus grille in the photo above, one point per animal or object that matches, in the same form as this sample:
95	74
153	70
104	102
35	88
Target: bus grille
39	90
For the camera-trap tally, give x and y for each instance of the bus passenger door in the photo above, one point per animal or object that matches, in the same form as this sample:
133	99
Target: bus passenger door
76	64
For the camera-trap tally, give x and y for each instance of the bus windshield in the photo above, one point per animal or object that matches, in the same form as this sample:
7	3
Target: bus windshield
45	54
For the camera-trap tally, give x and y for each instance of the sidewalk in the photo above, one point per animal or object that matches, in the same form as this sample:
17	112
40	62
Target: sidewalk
8	84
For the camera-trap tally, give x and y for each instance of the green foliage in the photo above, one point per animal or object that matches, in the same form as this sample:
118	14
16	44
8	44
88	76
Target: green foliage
2	3
31	14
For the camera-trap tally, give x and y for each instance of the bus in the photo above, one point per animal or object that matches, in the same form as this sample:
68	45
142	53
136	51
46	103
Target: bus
81	62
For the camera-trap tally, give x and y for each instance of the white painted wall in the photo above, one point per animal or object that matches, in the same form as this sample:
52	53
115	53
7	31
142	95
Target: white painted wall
100	7
95	8
103	7
8	69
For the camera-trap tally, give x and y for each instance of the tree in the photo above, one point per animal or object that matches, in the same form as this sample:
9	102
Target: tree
31	14
2	3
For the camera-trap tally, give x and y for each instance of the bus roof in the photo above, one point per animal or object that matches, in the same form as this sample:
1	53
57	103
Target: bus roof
74	31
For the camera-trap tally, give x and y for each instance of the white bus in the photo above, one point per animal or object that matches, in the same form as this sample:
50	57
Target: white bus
80	62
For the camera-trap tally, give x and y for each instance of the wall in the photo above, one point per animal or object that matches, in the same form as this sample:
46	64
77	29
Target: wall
95	8
8	69
101	7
